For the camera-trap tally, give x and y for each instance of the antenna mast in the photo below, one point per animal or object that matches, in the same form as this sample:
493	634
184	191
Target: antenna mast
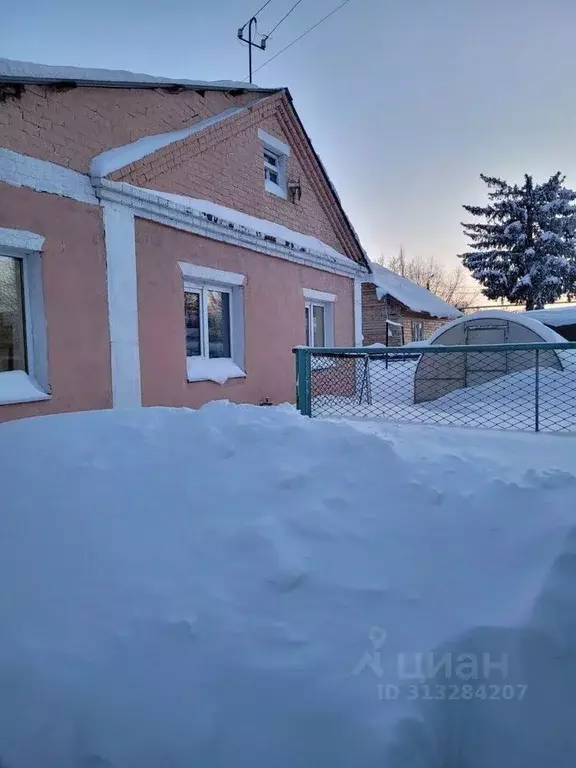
252	26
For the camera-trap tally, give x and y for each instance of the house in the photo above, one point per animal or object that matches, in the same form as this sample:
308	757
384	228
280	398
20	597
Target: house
560	319
396	311
162	242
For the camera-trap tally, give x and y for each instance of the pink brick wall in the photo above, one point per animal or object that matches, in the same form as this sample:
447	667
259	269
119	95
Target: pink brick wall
70	127
74	282
274	317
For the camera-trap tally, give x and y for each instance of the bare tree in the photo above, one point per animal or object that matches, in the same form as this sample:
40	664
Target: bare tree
452	285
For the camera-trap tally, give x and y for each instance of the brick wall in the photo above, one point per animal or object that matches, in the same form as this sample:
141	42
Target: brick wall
225	164
70	127
375	312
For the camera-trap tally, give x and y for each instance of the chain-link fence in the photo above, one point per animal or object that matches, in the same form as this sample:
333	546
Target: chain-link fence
500	386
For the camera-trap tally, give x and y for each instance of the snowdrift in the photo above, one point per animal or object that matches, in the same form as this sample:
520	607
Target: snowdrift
241	586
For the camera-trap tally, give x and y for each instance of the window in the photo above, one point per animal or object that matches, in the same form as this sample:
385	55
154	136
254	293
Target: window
23	348
417	330
13	353
272	164
315	325
276	154
207	318
214	323
319	318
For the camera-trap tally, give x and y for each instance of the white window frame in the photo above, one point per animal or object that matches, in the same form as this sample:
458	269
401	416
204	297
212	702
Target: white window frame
200	280
326	301
27	247
281	152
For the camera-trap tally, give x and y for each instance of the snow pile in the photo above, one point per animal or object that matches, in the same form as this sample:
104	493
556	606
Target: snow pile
410	294
240	586
12	70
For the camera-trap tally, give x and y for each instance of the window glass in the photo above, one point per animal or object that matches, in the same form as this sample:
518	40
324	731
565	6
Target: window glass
219	324
12	328
193	325
318	332
307	325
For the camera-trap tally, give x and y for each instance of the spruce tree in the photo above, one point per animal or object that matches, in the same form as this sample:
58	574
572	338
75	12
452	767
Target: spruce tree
525	250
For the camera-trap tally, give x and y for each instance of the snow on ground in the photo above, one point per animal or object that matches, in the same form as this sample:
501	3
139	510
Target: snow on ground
507	402
241	586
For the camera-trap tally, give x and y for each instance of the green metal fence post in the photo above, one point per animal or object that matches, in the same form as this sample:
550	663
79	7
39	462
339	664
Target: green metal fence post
303	381
537	392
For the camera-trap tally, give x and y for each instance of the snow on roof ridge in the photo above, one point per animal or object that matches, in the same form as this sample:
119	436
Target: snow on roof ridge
113	159
18	71
410	294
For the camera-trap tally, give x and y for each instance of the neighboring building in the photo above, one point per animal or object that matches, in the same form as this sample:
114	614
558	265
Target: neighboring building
162	242
396	311
560	319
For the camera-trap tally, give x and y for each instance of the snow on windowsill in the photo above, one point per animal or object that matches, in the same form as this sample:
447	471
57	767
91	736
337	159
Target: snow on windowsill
218	370
18	387
276	189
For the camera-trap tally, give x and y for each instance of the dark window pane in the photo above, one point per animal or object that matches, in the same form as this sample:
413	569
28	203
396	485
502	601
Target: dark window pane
307	326
12	331
192	320
219	324
318	322
270	158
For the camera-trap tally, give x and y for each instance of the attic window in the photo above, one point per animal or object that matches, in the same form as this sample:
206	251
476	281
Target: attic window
275	154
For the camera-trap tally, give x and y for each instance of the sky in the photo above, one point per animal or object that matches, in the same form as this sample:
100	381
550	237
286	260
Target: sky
406	101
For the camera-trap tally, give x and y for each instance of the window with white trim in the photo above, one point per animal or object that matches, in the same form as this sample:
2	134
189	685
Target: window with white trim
208	322
23	343
319	318
275	155
214	323
13	351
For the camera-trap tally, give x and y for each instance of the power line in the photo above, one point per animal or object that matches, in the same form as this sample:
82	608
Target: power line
261	9
297	3
310	29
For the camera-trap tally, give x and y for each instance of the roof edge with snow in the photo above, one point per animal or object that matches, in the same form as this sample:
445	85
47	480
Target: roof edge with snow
228	225
410	294
27	72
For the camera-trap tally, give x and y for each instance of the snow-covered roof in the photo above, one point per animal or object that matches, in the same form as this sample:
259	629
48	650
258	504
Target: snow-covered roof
410	294
12	71
119	157
547	335
554	317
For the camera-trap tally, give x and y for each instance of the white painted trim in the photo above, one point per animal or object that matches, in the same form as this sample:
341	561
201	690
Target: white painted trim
122	305
358	331
310	293
148	204
273	143
21	240
40	175
196	272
